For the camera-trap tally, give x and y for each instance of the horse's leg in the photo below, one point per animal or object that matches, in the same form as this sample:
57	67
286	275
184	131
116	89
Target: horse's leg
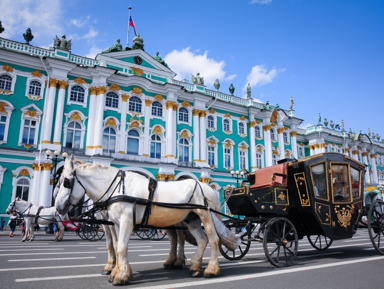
111	251
60	230
114	234
194	227
212	269
168	264
180	260
125	271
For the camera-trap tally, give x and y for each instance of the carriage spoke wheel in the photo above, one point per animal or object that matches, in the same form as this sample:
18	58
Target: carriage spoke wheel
280	242
376	225
142	234
241	250
320	242
157	234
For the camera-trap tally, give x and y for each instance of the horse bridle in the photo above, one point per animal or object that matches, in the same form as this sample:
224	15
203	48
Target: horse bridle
13	206
69	184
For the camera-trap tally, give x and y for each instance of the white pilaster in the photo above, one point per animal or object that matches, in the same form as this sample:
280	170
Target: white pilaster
203	137
365	161
48	110
252	144
91	121
99	117
147	119
59	113
196	136
294	144
45	198
123	123
268	145
35	189
374	168
280	131
169	128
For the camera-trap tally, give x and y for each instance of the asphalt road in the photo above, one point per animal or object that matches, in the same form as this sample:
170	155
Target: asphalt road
75	263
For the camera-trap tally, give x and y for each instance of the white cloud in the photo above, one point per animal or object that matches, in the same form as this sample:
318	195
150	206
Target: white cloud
305	125
92	33
93	52
259	75
185	63
262	2
80	22
41	16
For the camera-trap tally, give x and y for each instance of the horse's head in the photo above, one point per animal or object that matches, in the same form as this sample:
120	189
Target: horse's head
12	206
66	192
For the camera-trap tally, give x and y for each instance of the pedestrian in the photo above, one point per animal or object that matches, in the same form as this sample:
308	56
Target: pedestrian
2	223
12	223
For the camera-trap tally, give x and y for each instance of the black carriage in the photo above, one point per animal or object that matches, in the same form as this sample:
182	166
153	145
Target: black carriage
319	197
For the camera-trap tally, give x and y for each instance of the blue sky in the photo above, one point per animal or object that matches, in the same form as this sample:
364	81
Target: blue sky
327	54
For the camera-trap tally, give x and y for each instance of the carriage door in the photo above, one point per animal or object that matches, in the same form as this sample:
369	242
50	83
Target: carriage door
342	206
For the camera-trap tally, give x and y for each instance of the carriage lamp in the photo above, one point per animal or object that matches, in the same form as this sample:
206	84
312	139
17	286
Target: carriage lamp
237	175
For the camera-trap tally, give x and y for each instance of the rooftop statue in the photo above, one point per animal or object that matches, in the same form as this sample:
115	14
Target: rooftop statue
115	47
248	91
28	36
217	85
291	103
62	43
160	60
198	79
1	28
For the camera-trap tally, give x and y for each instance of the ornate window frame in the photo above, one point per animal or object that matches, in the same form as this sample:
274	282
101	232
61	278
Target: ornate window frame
243	147
244	124
140	138
213	143
260	150
112	122
274	132
228	144
20	173
78	116
259	127
214	128
224	119
141	112
85	86
6	110
159	130
42	88
185	134
189	112
286	138
32	113
162	110
7	70
118	108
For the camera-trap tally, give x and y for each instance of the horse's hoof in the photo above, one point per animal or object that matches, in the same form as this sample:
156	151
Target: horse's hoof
110	280
23	240
195	273
106	273
209	276
168	267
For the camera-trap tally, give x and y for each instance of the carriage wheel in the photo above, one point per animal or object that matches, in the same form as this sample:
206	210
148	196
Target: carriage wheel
80	232
242	249
142	234
320	242
156	234
376	225
280	242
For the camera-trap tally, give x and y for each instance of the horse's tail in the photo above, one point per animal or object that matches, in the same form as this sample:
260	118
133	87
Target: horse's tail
230	240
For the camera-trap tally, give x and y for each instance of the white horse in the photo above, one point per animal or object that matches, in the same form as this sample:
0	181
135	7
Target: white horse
101	183
33	214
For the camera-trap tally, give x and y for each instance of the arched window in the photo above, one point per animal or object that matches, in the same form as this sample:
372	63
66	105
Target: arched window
29	131
112	100
109	140
285	137
77	94
211	121
183	115
226	125
257	131
302	152
5	82
273	135
259	160
73	135
133	142
3	125
211	155
135	104
242	160
227	157
22	189
241	128
184	150
274	159
157	109
34	88
155	146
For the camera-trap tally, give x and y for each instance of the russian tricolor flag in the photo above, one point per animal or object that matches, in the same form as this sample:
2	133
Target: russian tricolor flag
131	23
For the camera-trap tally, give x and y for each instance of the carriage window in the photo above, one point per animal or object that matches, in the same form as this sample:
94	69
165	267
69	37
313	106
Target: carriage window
355	179
340	183
319	181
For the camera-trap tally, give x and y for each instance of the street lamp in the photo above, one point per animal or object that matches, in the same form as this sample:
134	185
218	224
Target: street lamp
55	160
237	175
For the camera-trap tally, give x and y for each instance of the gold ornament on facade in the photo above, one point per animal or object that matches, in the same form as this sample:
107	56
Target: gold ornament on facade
124	97
137	71
203	113
293	133
373	156
212	142
228	144
184	134
27	146
158	97
175	106
227	115
185	104
274	116
75	116
63	84
7	68
258	121
280	130
252	124
267	127
158	130
30	113
111	122
35	166
275	152
36	73
3	105
196	112
243	147
169	104
205	180
46	166
137	90
93	90
79	81
114	87
242	117
101	90
135	124
259	149
24	173
53	82
212	111
355	152
148	102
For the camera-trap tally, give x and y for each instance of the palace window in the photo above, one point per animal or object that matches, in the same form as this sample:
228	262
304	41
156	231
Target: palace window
109	140
5	82
274	159
22	189
183	150
226	125
227	158
3	125
257	131
211	155
242	160
155	146
285	137
301	152
133	142
73	137
241	128
135	104
29	131
112	100
211	122
183	114
77	94
34	88
259	160
273	134
157	109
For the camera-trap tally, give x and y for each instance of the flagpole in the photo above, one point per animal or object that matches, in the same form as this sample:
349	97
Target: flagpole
129	17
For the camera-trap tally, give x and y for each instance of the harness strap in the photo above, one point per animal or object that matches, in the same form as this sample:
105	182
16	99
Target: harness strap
151	188
37	213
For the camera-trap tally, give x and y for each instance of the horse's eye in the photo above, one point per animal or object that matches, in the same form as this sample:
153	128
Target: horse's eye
67	183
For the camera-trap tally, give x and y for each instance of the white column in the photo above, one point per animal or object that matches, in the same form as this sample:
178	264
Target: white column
268	145
252	144
169	129
203	137
174	132
374	168
311	150
354	154
294	144
59	113
48	110
123	123
35	191
91	121
98	132
196	136
280	131
45	198
147	119
365	162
